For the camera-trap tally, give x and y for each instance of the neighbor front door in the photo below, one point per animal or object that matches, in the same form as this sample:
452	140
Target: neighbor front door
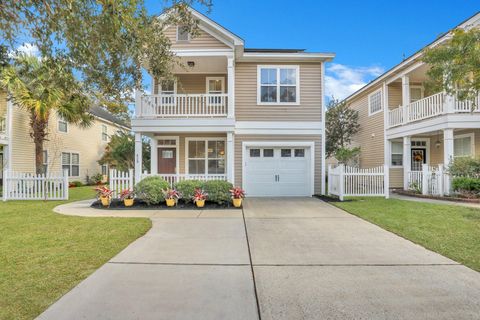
418	158
167	160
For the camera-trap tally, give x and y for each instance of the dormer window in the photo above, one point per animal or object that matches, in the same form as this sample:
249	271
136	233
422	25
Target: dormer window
182	33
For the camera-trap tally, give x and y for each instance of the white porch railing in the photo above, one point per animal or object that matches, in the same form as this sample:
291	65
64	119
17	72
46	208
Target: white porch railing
174	178
349	181
27	186
428	107
184	105
430	181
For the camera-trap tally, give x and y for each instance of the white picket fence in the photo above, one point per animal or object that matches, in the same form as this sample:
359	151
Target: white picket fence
346	181
430	181
27	186
174	178
119	181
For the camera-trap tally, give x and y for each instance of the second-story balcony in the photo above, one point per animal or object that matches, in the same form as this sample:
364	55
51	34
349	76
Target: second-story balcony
183	106
429	107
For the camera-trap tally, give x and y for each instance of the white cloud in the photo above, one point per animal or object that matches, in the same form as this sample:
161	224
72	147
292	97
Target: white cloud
28	49
342	80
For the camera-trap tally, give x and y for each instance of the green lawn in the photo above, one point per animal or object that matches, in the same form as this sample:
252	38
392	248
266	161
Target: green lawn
44	254
452	231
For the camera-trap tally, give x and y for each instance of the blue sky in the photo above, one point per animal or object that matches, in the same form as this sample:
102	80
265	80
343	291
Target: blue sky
368	37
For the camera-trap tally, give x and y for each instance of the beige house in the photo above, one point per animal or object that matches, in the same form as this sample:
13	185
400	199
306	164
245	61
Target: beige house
405	126
68	146
254	117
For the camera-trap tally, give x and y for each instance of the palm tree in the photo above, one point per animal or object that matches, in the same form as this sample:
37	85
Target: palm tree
42	88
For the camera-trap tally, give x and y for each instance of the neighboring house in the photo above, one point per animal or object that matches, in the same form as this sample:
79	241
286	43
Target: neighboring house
67	146
404	126
254	117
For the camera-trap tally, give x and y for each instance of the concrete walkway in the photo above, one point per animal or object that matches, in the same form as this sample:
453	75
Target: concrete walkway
278	259
435	201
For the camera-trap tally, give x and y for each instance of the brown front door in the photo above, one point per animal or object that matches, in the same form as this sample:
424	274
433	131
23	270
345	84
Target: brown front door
167	160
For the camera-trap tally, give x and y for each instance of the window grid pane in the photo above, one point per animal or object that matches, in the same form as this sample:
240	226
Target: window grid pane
286	153
375	102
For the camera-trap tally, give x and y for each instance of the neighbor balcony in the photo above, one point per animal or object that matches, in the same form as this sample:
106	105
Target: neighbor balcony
432	106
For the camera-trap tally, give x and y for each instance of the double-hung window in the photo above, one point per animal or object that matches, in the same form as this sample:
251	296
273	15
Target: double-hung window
45	161
104	133
206	156
375	102
62	125
278	85
397	153
182	33
463	145
71	162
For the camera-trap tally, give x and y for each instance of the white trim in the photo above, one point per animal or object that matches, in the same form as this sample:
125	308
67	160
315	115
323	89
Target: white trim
278	85
299	125
176	146
381	102
203	53
282	56
470	135
308	144
292	132
206	139
323	137
207	81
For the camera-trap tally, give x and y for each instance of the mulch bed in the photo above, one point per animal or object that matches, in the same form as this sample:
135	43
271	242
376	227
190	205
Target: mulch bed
446	198
140	205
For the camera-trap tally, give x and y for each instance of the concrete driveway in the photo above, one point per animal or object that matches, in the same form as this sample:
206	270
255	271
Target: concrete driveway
288	259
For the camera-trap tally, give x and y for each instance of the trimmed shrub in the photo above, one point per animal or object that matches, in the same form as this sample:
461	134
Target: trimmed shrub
469	187
465	167
187	188
218	191
75	184
150	190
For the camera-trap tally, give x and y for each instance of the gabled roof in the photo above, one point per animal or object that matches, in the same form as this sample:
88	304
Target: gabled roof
475	19
101	113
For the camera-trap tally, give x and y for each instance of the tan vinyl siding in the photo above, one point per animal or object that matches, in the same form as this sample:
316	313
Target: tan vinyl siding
370	136
395	95
193	83
239	139
86	142
246	108
3	104
396	178
202	41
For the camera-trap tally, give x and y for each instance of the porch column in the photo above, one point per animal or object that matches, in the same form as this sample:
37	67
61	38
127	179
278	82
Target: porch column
231	87
407	164
230	157
153	155
405	97
447	154
138	156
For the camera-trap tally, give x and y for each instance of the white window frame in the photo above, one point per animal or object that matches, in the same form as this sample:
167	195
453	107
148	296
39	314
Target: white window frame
176	146
182	40
61	120
370	113
472	143
278	67
70	164
206	139
104	132
214	78
422	89
391	154
106	169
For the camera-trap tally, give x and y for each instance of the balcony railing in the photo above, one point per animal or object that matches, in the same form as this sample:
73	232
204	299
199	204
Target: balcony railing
183	106
428	107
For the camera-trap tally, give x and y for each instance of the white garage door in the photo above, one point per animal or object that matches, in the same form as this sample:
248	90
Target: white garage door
277	171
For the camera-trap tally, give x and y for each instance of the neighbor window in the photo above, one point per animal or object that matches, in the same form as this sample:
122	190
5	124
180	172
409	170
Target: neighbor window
62	125
375	102
462	145
104	133
397	153
45	161
104	169
71	162
182	33
206	156
278	85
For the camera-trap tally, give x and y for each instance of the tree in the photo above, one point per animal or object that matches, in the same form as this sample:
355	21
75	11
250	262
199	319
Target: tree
341	126
120	152
455	65
43	88
105	42
347	155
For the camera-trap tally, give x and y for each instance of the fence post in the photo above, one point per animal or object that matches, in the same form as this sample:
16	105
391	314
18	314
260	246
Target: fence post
329	187
341	184
386	181
65	184
130	179
440	180
425	179
5	184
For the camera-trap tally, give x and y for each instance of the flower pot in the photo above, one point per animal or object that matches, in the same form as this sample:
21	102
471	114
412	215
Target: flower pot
128	202
237	203
200	203
105	201
170	202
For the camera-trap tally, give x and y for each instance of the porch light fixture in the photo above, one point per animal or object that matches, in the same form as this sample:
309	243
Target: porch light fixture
191	64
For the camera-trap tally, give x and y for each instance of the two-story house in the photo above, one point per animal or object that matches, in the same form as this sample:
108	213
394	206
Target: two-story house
67	146
254	117
405	126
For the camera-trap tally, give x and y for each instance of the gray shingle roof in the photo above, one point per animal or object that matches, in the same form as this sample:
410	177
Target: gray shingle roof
104	114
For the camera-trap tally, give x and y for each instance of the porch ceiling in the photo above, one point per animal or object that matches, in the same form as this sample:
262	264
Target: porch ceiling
201	65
